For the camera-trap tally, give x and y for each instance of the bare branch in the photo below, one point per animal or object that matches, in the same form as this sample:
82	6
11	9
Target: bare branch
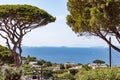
108	42
37	24
106	33
26	31
118	39
7	41
114	30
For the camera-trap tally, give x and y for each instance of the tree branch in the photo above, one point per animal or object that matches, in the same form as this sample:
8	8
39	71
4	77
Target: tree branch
118	39
105	39
7	41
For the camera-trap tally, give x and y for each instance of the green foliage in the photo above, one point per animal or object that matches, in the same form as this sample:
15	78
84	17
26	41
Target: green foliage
44	63
67	76
29	58
47	74
39	62
79	64
1	78
86	67
98	61
5	55
73	71
24	13
62	66
55	64
86	15
27	69
12	74
67	66
95	17
99	74
47	64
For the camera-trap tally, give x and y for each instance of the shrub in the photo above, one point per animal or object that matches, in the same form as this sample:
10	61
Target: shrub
12	74
99	74
1	78
67	76
73	71
86	67
27	69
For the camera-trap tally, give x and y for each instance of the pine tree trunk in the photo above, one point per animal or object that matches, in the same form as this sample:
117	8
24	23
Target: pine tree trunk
17	60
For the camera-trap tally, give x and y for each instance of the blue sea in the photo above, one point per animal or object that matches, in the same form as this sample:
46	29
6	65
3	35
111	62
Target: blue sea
72	54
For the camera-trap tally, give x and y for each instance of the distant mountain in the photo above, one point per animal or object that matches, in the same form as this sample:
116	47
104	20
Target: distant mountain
71	54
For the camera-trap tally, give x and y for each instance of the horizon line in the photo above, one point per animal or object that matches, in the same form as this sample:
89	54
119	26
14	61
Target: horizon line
71	46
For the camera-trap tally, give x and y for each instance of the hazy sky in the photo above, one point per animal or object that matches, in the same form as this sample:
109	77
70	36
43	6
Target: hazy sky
56	33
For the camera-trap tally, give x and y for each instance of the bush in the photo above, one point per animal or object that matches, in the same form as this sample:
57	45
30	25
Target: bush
1	78
99	74
47	74
73	71
86	67
12	74
67	76
27	69
60	71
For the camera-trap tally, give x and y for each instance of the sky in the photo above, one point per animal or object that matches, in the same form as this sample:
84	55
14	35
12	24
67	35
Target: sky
58	33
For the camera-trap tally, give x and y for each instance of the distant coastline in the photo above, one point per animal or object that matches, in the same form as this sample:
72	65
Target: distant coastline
72	54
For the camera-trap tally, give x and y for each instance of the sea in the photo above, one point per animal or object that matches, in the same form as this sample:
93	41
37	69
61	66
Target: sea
72	54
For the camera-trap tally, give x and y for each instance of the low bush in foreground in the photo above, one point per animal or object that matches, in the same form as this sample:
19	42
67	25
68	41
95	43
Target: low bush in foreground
1	78
12	74
99	74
